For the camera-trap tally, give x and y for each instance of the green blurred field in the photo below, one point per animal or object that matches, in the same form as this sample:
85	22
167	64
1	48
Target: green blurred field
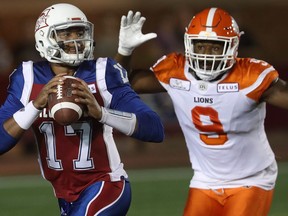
160	192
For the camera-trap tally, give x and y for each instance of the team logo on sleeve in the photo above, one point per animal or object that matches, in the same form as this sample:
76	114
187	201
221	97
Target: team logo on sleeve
227	87
92	88
180	84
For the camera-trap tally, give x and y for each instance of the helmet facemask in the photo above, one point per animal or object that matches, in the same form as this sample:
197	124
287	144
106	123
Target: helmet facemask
209	66
58	49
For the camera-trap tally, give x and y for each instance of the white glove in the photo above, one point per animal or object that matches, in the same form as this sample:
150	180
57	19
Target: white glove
130	35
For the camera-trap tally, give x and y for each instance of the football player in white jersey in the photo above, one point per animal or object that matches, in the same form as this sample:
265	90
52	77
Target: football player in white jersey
219	100
80	160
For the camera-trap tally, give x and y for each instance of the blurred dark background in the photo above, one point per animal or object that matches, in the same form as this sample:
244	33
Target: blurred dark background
263	21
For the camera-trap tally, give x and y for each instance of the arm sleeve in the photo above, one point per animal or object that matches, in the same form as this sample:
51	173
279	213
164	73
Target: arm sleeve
7	142
124	98
11	105
149	125
149	128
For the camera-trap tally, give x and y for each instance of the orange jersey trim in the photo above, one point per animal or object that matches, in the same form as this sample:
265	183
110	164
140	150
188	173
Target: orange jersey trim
245	72
170	66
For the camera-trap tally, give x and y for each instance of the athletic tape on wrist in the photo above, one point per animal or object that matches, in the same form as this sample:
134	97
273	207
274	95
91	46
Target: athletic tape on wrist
122	121
26	116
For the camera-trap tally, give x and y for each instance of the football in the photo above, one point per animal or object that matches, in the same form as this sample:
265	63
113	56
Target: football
62	106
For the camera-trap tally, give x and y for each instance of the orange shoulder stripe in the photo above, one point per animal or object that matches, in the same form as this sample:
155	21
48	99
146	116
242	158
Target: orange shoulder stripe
246	72
257	93
170	66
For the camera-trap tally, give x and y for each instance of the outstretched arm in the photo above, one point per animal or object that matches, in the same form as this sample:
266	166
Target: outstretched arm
144	81
277	94
130	37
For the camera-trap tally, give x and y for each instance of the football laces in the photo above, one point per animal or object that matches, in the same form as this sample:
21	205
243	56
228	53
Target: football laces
59	92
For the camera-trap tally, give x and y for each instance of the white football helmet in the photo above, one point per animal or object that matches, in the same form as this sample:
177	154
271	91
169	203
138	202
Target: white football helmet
212	24
60	17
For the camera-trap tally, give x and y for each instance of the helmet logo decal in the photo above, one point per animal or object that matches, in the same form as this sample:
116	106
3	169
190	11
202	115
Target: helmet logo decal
42	20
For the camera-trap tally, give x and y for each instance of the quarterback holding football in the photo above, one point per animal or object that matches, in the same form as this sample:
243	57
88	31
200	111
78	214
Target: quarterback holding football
62	105
77	155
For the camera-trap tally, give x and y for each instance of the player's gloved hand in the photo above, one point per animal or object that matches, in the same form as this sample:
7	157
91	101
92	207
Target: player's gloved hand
130	35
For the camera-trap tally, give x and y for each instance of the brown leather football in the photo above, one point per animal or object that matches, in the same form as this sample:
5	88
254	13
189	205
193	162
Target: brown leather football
62	105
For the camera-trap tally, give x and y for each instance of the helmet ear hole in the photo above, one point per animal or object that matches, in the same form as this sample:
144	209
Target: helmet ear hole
41	43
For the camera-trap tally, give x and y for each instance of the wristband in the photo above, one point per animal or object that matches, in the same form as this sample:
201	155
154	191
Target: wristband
122	121
26	116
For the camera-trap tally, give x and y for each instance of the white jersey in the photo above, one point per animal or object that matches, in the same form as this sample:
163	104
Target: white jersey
223	122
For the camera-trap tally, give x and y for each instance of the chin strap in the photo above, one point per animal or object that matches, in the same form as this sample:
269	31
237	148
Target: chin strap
121	121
